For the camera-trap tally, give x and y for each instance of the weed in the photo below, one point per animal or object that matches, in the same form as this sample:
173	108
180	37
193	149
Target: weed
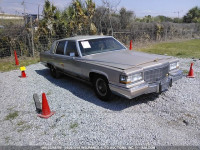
12	116
49	93
63	134
179	54
20	123
11	108
53	126
185	71
7	139
23	128
73	125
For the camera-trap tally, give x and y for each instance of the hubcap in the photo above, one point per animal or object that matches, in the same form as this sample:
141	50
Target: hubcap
101	87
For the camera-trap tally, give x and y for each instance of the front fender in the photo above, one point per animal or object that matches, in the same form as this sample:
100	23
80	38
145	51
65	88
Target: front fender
99	72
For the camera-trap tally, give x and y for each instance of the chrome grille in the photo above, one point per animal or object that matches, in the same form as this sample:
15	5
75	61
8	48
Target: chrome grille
156	74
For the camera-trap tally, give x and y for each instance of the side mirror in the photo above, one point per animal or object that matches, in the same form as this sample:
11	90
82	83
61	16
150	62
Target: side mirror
72	54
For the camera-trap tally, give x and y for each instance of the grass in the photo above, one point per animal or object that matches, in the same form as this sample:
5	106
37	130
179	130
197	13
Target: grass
185	49
8	64
12	116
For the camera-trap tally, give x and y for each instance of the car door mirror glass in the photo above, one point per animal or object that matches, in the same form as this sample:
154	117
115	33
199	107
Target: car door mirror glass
72	54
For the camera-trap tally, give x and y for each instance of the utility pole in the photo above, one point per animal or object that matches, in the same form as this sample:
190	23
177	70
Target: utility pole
32	43
23	3
110	20
178	14
25	19
38	17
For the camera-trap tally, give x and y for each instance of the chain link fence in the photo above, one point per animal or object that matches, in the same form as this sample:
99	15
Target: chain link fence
156	32
28	42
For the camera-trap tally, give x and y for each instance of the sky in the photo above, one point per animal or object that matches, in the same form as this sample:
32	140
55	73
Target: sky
170	8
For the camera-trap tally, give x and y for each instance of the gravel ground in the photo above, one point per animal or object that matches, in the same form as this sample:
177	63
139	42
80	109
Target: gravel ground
82	120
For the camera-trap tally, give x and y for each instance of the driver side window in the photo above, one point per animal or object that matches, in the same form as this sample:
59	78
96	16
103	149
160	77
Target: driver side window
71	49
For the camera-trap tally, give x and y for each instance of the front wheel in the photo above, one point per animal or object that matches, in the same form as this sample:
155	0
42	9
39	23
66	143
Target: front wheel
101	88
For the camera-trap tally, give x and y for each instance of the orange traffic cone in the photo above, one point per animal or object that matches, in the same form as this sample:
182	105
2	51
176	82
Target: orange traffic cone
46	112
130	48
23	75
16	59
191	72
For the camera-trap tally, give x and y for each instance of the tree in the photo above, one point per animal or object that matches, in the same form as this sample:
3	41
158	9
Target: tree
78	17
107	20
125	17
147	19
102	19
193	15
178	20
50	17
161	18
75	19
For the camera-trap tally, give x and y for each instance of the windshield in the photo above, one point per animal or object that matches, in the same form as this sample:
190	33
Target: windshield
100	45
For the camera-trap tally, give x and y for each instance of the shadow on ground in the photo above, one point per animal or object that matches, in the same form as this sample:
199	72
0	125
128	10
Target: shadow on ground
85	92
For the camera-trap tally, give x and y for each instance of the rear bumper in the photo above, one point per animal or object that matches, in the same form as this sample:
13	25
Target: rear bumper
146	88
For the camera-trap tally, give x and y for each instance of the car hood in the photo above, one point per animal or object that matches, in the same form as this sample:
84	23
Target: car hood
124	59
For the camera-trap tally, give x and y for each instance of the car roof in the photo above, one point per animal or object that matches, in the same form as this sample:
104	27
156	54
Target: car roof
85	37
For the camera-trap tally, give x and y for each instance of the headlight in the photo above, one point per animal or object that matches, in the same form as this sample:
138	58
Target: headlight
131	78
174	65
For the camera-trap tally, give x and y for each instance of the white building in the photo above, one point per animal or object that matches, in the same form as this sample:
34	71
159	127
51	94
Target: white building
8	16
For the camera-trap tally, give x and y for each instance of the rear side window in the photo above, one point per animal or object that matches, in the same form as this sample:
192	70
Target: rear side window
71	48
60	48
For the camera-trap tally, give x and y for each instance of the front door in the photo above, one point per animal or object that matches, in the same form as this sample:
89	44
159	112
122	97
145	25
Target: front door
71	63
59	56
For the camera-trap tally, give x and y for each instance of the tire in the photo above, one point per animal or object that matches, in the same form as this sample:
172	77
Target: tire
54	72
101	88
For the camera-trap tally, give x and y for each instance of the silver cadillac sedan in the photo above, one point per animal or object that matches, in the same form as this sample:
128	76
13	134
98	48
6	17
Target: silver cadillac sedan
111	67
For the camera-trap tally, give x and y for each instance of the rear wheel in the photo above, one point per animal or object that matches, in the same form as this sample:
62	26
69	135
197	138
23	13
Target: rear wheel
101	88
54	72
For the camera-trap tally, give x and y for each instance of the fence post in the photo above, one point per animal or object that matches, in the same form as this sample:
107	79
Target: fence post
165	34
32	43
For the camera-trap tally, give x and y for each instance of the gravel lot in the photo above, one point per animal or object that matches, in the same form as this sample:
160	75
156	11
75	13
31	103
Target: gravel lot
81	119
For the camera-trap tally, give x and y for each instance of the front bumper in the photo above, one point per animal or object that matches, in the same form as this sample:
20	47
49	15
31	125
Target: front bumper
146	88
